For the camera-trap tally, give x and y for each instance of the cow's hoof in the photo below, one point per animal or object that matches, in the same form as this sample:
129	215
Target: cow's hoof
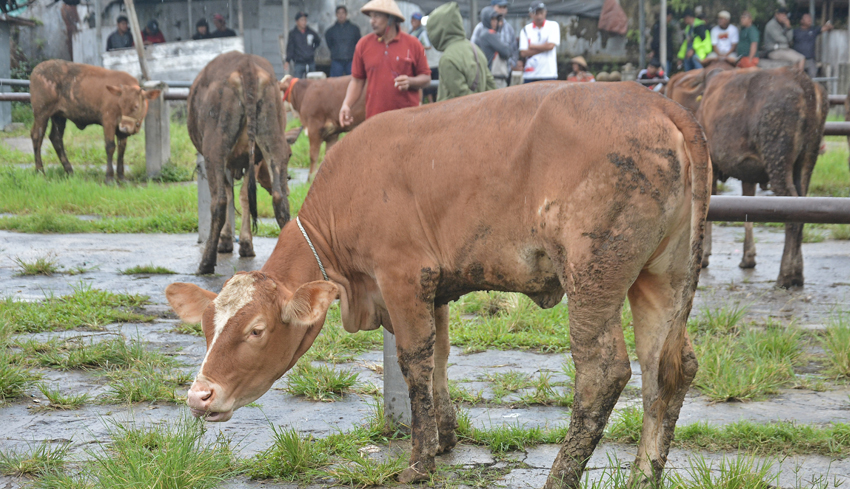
109	180
205	269
788	281
447	442
414	474
705	262
225	245
747	262
246	249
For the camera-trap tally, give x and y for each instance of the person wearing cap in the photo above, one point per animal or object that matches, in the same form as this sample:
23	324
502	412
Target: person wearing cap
748	42
202	30
580	73
778	37
506	32
121	38
497	53
697	43
151	34
393	62
724	38
537	43
653	71
463	66
342	38
301	47
805	38
221	29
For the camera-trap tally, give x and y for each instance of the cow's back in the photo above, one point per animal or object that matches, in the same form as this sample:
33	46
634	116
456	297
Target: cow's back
78	90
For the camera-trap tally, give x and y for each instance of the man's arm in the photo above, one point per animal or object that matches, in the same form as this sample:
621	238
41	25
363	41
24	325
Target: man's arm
329	38
352	93
317	39
452	80
290	48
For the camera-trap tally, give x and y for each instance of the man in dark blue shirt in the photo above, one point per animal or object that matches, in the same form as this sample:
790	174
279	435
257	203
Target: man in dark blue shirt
342	38
301	47
805	38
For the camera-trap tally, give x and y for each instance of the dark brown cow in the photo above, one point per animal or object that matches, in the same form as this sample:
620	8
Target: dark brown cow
235	112
318	103
85	95
765	126
687	87
418	207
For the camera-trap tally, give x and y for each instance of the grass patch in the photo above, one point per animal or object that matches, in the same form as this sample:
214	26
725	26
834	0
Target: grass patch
289	457
14	379
147	270
76	353
44	265
518	325
812	234
839	231
62	402
37	460
625	425
194	329
322	383
718	321
831	177
145	383
463	395
366	471
335	345
546	393
836	343
85	307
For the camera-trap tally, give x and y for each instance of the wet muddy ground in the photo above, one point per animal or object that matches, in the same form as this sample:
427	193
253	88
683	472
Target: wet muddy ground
827	291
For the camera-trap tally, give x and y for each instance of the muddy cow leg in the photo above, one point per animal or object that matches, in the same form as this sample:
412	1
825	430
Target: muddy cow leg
225	239
57	131
246	244
411	309
660	310
315	136
122	146
214	162
749	259
446	417
602	371
39	127
706	247
109	138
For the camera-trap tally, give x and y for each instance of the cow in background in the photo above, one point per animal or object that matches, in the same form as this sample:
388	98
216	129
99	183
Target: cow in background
318	103
687	87
85	94
765	126
236	121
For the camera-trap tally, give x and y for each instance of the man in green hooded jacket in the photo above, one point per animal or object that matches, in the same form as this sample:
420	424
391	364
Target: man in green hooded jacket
463	67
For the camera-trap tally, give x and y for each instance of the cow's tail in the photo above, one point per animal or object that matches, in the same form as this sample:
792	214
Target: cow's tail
671	372
250	90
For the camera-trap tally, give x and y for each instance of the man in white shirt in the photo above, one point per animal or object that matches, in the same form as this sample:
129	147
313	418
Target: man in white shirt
537	43
724	38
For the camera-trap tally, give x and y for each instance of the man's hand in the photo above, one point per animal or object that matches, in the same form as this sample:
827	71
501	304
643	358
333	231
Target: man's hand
690	53
827	27
402	83
286	66
345	118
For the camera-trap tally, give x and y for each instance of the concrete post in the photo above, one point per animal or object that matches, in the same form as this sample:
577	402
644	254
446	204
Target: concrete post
396	395
662	34
642	28
157	131
5	72
843	78
204	202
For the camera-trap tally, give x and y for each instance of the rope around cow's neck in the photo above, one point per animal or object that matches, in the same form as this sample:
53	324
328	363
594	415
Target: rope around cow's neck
313	249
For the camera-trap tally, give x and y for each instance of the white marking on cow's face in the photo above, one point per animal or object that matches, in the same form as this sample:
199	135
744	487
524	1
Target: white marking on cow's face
236	294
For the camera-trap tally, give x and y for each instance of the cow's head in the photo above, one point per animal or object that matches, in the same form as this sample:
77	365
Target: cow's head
256	329
133	105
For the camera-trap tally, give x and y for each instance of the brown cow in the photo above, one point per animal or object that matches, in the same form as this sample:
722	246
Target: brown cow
687	87
555	209
236	114
765	126
61	90
318	103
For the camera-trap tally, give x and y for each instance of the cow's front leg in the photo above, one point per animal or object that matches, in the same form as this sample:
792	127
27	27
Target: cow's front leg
218	209
225	240
749	258
110	150
446	417
246	245
122	146
411	308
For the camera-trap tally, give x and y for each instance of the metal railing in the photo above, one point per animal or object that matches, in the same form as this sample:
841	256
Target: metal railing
14	82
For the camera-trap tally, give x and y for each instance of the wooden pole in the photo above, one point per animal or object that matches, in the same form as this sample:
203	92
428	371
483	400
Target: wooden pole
98	26
137	39
239	16
642	27
662	33
192	24
284	37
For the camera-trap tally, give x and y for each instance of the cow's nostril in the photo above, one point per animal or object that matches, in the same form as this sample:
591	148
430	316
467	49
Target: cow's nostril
207	395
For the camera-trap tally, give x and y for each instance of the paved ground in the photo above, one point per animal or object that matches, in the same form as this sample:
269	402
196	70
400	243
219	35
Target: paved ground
827	291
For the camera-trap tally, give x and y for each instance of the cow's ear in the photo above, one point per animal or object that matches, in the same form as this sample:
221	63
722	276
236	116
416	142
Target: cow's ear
152	94
309	303
115	89
189	301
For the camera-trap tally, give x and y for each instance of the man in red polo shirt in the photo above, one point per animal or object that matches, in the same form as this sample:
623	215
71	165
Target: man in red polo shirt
392	61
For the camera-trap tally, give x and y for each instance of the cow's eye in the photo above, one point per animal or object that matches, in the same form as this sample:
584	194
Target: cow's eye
256	332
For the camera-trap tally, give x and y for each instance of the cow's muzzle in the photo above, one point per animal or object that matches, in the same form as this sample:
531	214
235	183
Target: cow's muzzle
129	125
204	400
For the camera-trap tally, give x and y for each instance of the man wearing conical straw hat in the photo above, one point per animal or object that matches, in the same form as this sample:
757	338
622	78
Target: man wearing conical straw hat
392	62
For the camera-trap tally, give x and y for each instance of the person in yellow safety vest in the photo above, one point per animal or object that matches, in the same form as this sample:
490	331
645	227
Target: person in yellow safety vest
697	43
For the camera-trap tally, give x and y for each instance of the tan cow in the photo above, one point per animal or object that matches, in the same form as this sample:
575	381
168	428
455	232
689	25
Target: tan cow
421	206
687	87
318	103
765	126
85	95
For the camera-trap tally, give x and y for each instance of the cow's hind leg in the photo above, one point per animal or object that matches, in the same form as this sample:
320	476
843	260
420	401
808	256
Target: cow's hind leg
57	131
214	162
315	136
660	300
39	127
706	248
602	371
446	417
122	146
410	304
225	240
246	243
749	258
